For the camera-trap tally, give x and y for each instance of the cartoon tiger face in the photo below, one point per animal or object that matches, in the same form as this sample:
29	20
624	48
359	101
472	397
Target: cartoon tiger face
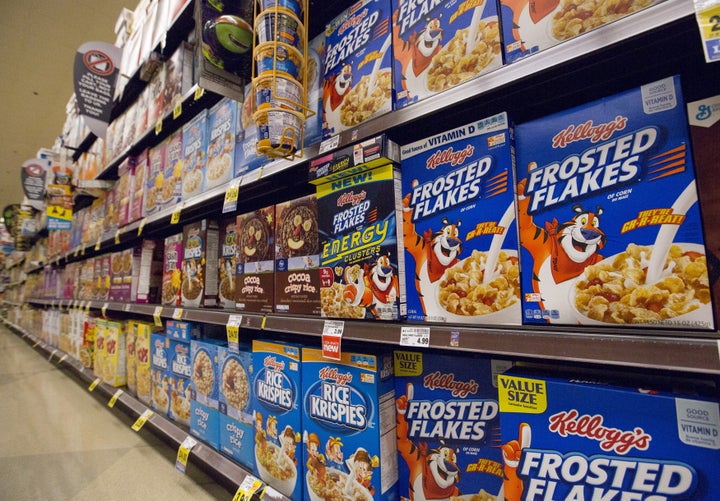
446	243
582	237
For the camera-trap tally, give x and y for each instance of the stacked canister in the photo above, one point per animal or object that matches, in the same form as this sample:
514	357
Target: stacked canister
279	76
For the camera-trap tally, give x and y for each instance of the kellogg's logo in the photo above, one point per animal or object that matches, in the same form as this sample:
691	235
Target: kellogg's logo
449	156
592	427
590	131
438	381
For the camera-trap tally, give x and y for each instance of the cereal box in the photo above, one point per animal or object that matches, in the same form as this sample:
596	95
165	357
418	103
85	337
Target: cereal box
608	217
459	226
194	155
349	426
157	159
448	426
140	174
180	370
205	424
200	258
99	347
236	416
172	270
149	276
221	126
431	49
574	437
276	403
160	363
227	263
361	255
315	58
124	189
358	82
143	361
171	186
255	260
115	357
182	331
246	156
205	376
131	358
529	27
297	283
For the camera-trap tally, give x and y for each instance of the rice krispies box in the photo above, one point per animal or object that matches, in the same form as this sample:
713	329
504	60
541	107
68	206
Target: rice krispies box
361	257
358	82
255	260
349	426
277	407
448	426
608	217
179	372
529	26
430	45
459	226
199	287
576	437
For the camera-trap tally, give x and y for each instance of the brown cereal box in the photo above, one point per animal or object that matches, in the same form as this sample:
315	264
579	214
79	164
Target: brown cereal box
226	265
199	286
255	260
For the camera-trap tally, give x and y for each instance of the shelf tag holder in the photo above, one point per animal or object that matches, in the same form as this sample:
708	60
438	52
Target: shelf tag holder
94	384
247	489
114	398
231	197
233	333
156	316
332	339
416	337
142	419
177	314
175	217
184	453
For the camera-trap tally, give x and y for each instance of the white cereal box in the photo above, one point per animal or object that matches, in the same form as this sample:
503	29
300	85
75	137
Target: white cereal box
608	215
349	426
195	142
459	227
221	129
448	426
430	45
574	436
358	82
277	407
227	263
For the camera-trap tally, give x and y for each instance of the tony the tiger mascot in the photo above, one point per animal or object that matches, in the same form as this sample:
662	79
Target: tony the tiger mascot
416	53
375	288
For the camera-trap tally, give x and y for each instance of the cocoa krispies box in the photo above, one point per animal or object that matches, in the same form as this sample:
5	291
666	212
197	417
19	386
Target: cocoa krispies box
608	216
574	436
277	415
431	48
459	227
448	426
358	82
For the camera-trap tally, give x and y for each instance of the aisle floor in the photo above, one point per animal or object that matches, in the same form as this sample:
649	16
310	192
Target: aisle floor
60	442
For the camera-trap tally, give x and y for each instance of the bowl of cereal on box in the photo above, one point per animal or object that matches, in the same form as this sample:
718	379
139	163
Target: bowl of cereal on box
331	483
275	467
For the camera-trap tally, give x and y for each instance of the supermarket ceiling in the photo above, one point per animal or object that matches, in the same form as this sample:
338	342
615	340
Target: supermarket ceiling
39	39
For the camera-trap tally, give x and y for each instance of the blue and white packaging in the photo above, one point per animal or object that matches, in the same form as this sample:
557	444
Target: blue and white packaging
246	156
160	363
205	387
195	141
205	424
315	59
608	217
221	129
459	228
183	331
180	370
236	416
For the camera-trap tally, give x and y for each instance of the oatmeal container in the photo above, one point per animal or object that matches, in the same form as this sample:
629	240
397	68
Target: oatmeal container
278	24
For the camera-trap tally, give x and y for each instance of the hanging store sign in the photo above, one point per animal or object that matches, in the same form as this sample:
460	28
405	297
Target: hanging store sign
33	176
97	65
59	207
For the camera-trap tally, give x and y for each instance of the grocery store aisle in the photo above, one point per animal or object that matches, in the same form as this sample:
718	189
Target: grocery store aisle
59	442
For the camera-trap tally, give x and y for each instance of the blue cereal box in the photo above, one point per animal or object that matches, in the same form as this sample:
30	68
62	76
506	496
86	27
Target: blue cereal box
221	128
276	402
459	228
575	437
315	58
171	190
431	49
180	370
608	217
349	426
195	141
205	424
205	387
236	416
358	83
246	156
448	426
182	331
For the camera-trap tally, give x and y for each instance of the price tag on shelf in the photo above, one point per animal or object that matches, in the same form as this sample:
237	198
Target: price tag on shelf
82	250
98	243
114	398
184	453
233	333
231	196
260	173
36	343
127	307
249	486
199	91
52	304
117	237
177	111
415	336
156	316
332	339
94	384
143	222
142	419
329	144
175	217
103	310
177	314
87	306
52	353
158	127
707	13
62	359
263	323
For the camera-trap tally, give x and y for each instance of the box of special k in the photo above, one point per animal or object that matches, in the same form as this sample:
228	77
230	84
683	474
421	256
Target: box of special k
439	44
459	226
277	405
448	426
349	426
579	437
358	82
530	26
608	218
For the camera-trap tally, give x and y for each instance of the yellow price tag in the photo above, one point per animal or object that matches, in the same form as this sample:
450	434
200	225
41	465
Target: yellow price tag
158	128
233	333
114	398
175	217
97	244
156	316
264	321
36	343
184	453
260	173
199	93
51	354
94	384
117	237
82	250
231	195
142	419
177	314
62	359
249	486
177	111
77	251
104	310
707	13
142	226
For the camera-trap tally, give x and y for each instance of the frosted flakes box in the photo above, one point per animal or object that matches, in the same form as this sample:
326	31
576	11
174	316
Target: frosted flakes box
361	255
573	437
194	141
349	426
199	287
358	82
297	283
277	407
172	175
448	426
430	45
608	217
530	26
236	415
221	130
172	270
227	262
459	228
255	260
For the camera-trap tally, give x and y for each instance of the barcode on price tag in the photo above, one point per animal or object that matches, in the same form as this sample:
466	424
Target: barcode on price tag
184	453
233	333
142	419
415	336
249	486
